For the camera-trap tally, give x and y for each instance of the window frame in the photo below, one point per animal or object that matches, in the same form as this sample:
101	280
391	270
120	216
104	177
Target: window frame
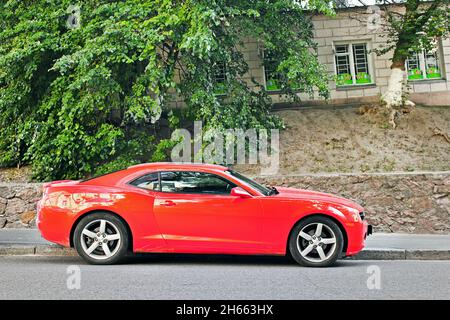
264	52
278	89
350	53
130	183
223	82
169	192
249	182
421	57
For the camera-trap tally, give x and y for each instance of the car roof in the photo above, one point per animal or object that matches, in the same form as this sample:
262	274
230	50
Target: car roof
113	178
178	165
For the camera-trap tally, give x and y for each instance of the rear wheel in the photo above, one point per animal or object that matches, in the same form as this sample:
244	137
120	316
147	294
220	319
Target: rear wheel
101	238
316	241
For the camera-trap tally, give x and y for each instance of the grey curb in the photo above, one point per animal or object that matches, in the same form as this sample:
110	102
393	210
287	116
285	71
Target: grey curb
54	250
380	254
37	250
17	250
402	254
367	254
427	255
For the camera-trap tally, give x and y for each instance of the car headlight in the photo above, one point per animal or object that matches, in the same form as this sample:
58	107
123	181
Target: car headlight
356	217
355	214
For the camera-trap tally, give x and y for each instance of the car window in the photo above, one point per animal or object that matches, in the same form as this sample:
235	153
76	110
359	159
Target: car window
149	181
194	182
264	190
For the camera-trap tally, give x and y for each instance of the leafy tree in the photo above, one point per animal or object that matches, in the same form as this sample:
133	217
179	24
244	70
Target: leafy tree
82	88
413	29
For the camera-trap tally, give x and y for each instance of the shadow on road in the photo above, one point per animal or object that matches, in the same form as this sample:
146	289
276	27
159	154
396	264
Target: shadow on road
169	258
217	259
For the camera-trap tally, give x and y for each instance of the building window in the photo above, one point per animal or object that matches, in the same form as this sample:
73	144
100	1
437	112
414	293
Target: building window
271	76
423	65
220	78
352	64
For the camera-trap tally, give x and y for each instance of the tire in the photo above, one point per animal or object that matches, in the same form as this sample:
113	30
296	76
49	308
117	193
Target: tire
97	246
305	243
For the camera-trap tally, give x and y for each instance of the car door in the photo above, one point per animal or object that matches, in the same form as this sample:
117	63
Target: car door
196	213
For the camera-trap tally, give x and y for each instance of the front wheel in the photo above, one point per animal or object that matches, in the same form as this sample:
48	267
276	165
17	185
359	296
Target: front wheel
316	241
101	238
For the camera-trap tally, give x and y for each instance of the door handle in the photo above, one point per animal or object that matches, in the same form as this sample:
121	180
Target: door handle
168	203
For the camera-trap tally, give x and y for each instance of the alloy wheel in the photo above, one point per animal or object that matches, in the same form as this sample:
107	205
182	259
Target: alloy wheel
316	242
100	239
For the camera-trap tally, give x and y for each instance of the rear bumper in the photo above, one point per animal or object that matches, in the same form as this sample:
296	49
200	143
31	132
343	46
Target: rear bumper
53	226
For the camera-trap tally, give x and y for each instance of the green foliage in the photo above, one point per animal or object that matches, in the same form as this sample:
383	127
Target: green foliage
162	150
415	29
80	101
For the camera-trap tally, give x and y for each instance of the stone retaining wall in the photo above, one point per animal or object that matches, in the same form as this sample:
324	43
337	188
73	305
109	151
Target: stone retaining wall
18	204
404	202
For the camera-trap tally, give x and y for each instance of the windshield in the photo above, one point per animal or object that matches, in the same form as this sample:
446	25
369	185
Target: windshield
264	190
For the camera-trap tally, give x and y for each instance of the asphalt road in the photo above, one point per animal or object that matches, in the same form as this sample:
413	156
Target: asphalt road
220	277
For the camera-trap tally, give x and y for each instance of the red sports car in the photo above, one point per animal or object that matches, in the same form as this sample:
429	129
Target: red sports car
197	208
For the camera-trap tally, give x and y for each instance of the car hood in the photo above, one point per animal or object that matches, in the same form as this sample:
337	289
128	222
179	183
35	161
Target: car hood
301	194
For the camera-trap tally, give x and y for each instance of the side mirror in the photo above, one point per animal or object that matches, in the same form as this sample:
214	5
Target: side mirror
239	192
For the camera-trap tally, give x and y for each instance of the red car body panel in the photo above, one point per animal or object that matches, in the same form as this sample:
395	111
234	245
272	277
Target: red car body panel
193	223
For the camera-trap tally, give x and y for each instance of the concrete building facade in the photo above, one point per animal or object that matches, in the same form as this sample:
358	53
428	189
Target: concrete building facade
344	44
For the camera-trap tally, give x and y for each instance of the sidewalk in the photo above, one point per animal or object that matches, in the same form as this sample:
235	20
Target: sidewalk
379	246
402	246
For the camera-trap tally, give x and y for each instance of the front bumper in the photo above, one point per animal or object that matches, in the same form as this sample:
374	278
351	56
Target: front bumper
357	235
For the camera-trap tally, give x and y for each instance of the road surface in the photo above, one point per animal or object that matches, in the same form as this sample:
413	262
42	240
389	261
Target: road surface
220	277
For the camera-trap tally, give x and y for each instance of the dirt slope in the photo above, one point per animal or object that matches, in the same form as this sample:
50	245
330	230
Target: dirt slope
341	140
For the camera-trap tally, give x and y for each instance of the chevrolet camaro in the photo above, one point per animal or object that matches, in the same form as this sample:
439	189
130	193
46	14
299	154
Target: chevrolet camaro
197	208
